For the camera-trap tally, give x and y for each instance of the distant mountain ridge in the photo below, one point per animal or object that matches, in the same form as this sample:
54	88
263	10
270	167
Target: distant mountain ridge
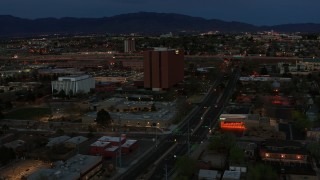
142	22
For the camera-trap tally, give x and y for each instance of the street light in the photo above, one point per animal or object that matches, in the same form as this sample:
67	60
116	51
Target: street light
157	134
188	143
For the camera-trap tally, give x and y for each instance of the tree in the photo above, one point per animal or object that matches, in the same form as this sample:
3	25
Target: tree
261	172
6	155
193	86
5	128
186	166
62	93
264	71
153	107
103	118
1	115
8	105
54	91
111	108
30	96
70	94
35	74
60	131
236	155
314	149
223	142
301	121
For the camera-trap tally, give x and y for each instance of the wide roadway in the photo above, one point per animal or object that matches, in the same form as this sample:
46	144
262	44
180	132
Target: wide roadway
217	101
198	129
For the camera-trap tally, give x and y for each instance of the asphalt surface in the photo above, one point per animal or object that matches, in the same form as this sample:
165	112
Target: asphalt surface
157	161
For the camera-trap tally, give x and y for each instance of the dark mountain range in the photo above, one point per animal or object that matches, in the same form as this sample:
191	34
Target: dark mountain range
142	22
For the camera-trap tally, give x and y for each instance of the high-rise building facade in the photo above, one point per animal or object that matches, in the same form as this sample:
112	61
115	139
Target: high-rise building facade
163	68
129	45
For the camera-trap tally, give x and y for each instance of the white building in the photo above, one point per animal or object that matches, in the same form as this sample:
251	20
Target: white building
205	174
74	83
129	45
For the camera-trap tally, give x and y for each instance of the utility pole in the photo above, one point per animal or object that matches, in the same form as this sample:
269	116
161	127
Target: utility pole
188	143
119	141
156	137
166	171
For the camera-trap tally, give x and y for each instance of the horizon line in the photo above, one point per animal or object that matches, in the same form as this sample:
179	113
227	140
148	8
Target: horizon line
194	16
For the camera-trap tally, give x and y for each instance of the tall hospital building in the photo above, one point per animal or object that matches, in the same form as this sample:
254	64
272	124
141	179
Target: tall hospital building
163	68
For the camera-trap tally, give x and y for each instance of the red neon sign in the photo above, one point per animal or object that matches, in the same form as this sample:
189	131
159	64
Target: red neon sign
232	125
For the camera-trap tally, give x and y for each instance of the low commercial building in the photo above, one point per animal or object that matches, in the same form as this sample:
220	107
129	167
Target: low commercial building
75	141
231	175
129	146
99	147
78	167
6	138
52	174
74	84
111	152
283	151
108	146
314	134
149	114
205	174
57	140
114	141
239	121
289	157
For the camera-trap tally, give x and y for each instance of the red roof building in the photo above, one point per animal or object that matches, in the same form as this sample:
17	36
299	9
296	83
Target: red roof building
129	146
98	147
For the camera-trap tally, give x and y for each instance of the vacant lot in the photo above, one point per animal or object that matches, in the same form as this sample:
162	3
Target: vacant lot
33	113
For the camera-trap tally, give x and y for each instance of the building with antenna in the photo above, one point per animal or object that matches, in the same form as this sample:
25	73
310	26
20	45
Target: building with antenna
163	68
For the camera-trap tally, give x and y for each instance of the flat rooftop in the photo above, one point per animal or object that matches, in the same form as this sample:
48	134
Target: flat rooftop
231	175
77	140
79	163
129	143
100	144
110	139
57	140
53	174
112	148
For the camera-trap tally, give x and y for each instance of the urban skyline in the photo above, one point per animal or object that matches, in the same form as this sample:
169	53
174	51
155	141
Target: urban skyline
159	94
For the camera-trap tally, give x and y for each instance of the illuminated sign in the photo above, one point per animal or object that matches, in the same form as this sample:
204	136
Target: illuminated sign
232	125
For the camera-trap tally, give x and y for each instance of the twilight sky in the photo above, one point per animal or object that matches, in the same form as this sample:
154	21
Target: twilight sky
258	12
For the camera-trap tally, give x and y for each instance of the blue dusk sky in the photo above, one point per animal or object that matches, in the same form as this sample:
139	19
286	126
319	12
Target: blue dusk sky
258	12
